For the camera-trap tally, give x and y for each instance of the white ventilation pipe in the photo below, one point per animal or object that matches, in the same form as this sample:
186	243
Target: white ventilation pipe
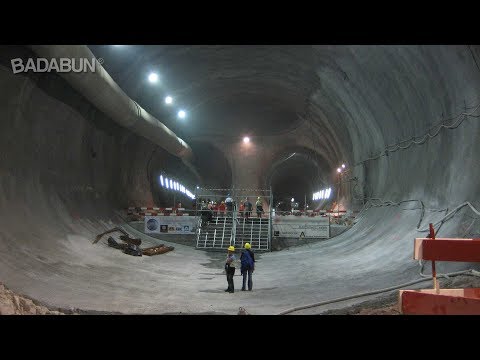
102	91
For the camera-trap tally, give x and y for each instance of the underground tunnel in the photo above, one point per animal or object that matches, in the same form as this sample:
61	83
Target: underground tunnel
388	132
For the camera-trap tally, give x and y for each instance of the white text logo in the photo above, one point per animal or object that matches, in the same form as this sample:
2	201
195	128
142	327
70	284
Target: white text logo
62	65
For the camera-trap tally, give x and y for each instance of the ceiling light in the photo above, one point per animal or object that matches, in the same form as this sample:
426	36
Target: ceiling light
153	77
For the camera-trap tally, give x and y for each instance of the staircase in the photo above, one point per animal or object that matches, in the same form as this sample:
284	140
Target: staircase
225	231
217	235
255	231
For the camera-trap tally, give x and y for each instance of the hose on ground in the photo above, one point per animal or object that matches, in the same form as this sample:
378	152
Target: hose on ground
298	308
447	275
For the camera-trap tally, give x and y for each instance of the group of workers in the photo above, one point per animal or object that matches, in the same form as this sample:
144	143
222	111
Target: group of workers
247	267
226	208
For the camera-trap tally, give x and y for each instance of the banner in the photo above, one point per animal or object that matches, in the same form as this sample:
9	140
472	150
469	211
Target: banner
170	224
301	227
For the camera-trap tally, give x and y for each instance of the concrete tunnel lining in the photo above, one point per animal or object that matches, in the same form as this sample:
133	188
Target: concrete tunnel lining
53	202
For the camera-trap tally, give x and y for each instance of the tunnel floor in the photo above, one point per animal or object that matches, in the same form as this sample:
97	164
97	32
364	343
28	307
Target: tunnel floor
74	273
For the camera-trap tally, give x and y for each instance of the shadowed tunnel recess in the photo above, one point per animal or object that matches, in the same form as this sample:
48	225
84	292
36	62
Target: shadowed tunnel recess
66	168
297	174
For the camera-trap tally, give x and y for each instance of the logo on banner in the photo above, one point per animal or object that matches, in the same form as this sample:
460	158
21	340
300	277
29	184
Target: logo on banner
168	225
152	224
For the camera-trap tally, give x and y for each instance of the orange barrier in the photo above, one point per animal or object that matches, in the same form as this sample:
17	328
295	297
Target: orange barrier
438	301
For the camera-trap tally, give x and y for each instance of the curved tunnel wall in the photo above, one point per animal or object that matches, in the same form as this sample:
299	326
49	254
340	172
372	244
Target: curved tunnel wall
405	90
369	97
60	156
64	166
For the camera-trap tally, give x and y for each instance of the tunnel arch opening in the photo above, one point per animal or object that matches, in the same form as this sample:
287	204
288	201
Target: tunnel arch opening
160	166
296	173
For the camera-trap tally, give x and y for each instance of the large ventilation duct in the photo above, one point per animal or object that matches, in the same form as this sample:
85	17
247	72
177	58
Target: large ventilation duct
102	91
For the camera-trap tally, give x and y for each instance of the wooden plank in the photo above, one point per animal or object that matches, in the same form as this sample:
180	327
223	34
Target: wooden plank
447	302
445	249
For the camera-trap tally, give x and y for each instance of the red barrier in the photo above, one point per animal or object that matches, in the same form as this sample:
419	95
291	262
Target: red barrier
438	301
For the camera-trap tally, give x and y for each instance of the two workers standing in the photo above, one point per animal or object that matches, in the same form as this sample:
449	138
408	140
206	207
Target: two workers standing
247	267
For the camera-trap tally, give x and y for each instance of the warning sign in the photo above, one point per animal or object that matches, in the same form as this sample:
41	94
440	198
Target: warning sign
302	235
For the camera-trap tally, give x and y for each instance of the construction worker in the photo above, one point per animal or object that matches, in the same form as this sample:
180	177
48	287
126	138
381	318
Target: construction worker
206	215
221	209
247	260
248	208
259	206
230	268
229	204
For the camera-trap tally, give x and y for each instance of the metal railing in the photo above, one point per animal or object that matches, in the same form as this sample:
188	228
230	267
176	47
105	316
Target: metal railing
233	227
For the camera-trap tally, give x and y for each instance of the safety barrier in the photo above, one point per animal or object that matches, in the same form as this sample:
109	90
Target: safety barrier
156	211
442	301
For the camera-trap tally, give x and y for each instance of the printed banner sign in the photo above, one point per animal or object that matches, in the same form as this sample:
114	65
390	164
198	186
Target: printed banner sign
170	224
301	227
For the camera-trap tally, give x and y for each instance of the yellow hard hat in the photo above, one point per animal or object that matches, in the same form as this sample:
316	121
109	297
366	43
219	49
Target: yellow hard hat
247	246
231	248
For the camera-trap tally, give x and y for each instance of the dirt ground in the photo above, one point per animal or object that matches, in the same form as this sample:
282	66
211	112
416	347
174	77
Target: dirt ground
388	305
14	304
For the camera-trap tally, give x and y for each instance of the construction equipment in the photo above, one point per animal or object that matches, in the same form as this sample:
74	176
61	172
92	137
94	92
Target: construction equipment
125	237
132	245
155	250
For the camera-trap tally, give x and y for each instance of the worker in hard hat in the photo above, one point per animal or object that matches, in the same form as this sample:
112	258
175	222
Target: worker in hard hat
230	268
229	205
259	205
247	260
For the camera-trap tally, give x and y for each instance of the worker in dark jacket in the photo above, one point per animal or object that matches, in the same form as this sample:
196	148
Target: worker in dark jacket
206	215
248	208
247	260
